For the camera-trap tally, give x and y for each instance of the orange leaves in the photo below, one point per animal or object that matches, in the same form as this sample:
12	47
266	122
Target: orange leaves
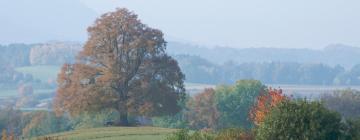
265	103
203	112
122	66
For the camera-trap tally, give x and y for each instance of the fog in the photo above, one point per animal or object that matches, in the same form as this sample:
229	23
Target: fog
255	23
231	23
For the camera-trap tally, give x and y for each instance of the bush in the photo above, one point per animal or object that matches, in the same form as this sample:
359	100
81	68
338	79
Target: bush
92	120
42	123
346	102
202	110
176	121
11	120
351	129
300	120
226	134
185	134
234	134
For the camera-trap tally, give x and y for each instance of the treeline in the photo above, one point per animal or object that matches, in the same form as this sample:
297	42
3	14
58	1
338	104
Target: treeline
199	70
10	78
53	53
332	55
15	54
248	111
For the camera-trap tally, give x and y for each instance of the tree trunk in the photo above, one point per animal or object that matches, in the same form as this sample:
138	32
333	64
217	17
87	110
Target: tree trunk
123	114
123	120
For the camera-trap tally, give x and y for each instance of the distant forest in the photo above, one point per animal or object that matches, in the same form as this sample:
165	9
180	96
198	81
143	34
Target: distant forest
334	65
199	70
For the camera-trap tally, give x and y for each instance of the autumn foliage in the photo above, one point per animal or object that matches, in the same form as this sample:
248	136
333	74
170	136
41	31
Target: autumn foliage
124	67
265	103
202	110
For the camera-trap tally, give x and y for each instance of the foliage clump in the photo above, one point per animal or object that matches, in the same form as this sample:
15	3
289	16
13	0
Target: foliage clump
300	120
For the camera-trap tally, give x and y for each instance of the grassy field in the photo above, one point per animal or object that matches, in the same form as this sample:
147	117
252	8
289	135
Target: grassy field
116	133
13	92
43	73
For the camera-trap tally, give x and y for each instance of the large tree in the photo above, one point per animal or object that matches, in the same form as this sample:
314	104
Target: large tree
123	66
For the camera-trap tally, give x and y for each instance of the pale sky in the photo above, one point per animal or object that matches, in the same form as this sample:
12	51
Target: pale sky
234	23
248	23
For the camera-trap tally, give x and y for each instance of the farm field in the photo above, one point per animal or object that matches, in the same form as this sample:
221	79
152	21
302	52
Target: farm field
116	133
43	73
13	92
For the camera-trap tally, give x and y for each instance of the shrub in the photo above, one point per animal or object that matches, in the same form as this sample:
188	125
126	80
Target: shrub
300	120
351	129
265	103
202	110
346	102
42	123
176	121
234	134
185	134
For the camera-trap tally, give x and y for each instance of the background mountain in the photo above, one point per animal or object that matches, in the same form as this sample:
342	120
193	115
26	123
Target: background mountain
217	65
34	21
337	54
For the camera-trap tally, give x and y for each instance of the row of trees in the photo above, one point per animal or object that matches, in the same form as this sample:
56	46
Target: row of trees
274	116
245	109
237	106
199	70
10	78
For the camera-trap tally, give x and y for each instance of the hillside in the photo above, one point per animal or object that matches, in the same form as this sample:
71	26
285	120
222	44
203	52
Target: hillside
116	133
337	54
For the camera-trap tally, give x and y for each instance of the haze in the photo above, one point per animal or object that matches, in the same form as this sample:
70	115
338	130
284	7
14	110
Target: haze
233	23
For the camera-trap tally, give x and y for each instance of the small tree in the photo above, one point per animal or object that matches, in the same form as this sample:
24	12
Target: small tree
265	103
4	135
300	120
346	102
123	66
11	136
202	110
234	103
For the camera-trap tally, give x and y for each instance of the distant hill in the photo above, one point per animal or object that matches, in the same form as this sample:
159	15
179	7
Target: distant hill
56	53
51	53
36	21
338	54
220	65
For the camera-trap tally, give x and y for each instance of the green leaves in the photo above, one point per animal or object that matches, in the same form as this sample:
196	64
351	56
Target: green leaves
234	103
300	120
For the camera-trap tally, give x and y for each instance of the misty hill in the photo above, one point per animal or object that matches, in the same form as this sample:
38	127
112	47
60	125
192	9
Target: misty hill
51	53
199	70
55	53
344	55
222	65
34	21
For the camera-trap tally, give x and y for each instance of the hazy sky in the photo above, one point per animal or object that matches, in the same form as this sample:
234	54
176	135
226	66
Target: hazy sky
248	23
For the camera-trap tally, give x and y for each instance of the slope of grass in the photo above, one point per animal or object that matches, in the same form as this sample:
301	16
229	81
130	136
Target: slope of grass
6	93
116	133
43	73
